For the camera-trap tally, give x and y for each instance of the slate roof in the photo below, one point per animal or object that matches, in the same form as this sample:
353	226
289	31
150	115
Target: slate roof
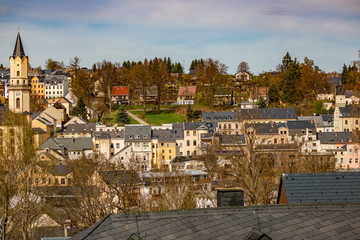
18	49
265	128
137	133
88	127
296	127
335	137
196	125
318	119
187	91
233	139
336	187
164	135
349	111
268	113
276	221
72	144
109	134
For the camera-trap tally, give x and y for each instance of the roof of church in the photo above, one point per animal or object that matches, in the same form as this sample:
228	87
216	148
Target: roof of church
18	49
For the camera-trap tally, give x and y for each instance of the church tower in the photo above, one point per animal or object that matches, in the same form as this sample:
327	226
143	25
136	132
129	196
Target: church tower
19	88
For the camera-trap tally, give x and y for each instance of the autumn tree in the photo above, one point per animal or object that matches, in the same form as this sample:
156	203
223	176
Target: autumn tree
85	206
141	79
52	64
75	64
313	80
159	77
107	75
83	86
211	75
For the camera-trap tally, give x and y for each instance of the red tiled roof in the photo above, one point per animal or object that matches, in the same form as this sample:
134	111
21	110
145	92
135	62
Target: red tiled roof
120	91
187	91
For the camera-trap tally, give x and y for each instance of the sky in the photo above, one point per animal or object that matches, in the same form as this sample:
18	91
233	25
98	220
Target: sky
258	32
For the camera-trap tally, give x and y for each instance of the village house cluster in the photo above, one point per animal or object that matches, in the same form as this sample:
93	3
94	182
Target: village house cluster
171	151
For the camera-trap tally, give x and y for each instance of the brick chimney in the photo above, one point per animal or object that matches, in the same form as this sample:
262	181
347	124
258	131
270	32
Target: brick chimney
230	197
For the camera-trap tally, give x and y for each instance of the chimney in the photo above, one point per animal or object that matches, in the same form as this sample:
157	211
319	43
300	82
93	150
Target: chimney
230	197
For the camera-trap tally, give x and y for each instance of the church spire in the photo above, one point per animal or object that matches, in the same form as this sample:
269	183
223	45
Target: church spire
19	49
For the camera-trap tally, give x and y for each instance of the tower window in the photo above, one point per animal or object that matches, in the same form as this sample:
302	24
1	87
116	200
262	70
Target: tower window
18	73
17	82
17	102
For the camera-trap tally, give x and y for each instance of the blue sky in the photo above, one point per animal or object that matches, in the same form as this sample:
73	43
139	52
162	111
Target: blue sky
259	32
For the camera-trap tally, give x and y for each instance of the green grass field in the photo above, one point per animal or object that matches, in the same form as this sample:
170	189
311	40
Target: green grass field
165	116
112	116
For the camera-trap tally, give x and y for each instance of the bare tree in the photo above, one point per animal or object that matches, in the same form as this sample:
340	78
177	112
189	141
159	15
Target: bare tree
20	202
243	66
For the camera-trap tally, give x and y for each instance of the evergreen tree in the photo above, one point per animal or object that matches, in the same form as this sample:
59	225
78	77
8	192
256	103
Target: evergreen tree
261	103
290	77
122	117
80	110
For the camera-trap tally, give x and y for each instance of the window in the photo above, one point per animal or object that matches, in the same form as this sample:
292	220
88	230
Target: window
342	160
356	160
18	73
275	141
97	146
350	151
356	151
169	150
117	145
188	153
170	157
188	143
194	133
63	181
350	160
194	142
17	102
346	122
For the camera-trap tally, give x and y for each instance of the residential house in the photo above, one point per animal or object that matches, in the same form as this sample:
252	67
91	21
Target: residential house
72	98
56	87
255	93
75	120
44	128
268	133
232	122
120	95
338	143
186	95
323	122
192	132
223	96
303	133
71	148
347	118
66	103
57	112
38	87
139	137
109	143
319	188
185	163
164	148
243	76
77	130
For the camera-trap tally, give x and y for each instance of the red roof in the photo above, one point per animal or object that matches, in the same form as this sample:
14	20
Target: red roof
187	91
120	91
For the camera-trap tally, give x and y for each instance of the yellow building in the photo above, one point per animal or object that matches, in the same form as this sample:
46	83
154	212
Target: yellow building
164	148
37	88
